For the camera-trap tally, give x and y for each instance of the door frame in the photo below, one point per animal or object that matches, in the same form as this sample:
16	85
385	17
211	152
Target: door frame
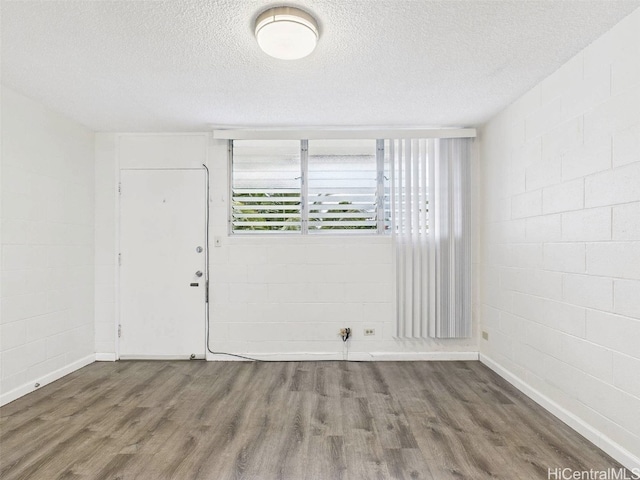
117	297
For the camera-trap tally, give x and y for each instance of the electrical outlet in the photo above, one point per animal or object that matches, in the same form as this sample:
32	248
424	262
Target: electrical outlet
369	331
485	335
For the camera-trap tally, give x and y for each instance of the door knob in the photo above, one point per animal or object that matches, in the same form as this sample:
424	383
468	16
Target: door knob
198	273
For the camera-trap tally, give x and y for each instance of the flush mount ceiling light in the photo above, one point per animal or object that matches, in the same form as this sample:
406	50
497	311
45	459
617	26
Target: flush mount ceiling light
287	33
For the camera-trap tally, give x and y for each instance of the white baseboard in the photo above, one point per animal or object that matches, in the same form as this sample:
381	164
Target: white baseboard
412	356
46	379
352	356
276	357
161	357
622	455
106	357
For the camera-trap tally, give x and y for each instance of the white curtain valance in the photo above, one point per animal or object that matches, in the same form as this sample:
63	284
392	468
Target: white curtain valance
231	133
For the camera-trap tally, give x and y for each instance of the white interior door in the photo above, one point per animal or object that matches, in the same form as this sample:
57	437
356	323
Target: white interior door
162	264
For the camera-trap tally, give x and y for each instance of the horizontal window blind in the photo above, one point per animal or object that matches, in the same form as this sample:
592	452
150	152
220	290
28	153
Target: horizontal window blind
266	186
342	186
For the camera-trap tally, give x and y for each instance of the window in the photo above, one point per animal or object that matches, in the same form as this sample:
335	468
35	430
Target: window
308	186
266	186
342	190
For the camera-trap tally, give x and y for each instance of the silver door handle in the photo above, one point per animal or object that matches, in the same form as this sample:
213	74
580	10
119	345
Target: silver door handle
198	273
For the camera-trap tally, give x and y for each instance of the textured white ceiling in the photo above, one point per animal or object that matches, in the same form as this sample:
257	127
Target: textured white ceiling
186	64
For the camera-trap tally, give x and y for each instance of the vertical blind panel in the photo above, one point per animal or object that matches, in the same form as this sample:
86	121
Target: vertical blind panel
407	160
430	214
452	241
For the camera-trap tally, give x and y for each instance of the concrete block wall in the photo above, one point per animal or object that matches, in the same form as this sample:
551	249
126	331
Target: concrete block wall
560	222
287	296
47	322
293	294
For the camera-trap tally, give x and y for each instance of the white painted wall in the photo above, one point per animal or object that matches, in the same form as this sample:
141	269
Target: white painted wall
560	255
127	151
272	296
287	296
106	188
47	323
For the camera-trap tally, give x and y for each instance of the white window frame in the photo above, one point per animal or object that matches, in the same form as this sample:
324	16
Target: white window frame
319	134
304	195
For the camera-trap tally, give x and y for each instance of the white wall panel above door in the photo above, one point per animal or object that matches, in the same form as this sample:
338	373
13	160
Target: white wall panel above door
162	150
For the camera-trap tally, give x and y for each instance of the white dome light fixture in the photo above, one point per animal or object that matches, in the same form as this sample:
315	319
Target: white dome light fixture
287	33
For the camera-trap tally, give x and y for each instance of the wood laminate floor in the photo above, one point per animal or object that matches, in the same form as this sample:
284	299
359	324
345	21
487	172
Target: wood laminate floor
285	420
